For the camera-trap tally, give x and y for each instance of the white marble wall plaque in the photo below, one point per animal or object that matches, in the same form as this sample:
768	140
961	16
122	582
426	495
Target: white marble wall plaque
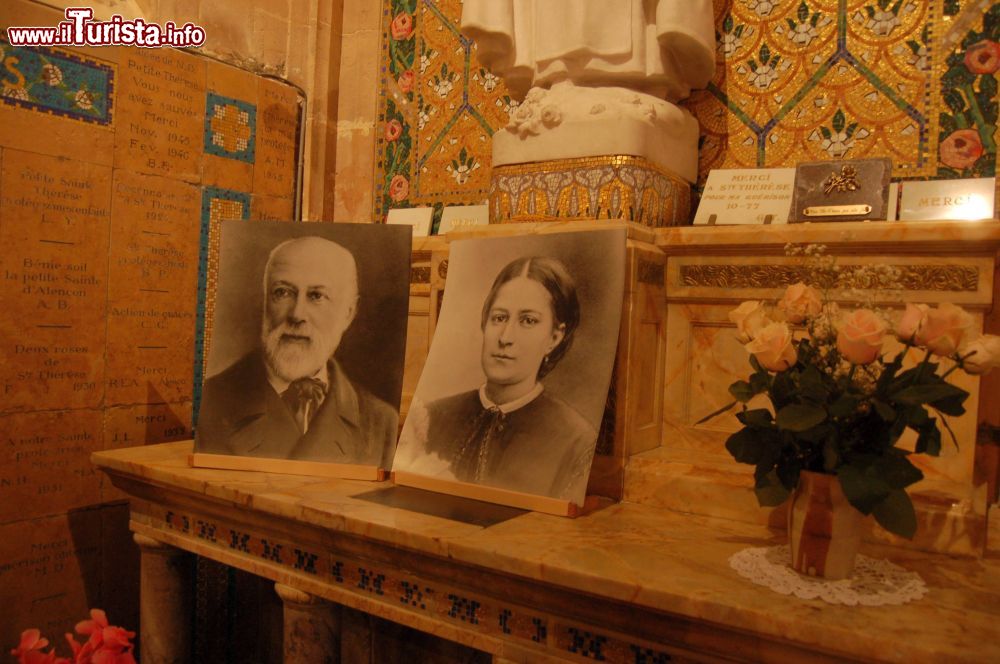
419	218
970	200
746	196
458	217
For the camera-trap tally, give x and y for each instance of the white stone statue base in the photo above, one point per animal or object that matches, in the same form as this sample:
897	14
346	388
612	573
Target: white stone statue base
567	122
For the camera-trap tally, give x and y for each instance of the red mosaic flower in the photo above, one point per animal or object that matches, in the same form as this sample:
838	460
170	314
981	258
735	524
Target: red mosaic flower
983	57
406	81
961	149
399	188
402	26
393	130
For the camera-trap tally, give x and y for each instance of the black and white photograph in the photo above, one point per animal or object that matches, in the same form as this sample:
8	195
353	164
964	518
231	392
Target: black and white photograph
308	342
517	377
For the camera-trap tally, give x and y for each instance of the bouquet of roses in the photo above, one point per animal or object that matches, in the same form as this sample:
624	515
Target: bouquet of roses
839	405
106	644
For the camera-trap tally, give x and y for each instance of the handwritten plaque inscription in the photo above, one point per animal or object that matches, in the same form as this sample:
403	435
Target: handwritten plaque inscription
161	113
54	220
152	290
277	139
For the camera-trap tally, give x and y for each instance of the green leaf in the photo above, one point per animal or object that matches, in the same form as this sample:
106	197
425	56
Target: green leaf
765	54
928	393
954	100
897	471
758	417
839	121
799	417
844	406
741	391
896	514
784	390
863	488
929	439
831	457
760	382
770	491
812	386
826	133
746	445
803	11
948	123
884	410
951	405
727	23
791	24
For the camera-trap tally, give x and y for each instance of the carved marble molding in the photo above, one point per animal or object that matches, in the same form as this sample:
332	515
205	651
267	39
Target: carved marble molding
607	187
940	278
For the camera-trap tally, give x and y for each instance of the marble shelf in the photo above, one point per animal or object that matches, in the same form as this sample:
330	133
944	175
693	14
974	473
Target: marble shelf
631	573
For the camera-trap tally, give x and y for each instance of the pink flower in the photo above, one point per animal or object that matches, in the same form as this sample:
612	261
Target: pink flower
985	355
910	322
117	637
94	627
406	80
773	347
943	329
860	337
393	130
983	57
961	149
399	188
749	317
31	639
800	302
402	26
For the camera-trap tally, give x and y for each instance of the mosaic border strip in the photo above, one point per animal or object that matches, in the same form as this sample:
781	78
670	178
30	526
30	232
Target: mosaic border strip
51	77
208	266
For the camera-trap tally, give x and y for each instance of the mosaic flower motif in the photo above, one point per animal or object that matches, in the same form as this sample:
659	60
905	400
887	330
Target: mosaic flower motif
406	80
983	57
402	26
399	188
426	56
443	83
919	57
230	127
487	79
731	38
462	168
16	92
762	75
424	113
802	31
961	149
506	104
52	75
838	140
84	99
882	19
393	130
762	7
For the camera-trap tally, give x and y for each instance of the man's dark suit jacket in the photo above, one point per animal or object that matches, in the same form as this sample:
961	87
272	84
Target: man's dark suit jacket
242	414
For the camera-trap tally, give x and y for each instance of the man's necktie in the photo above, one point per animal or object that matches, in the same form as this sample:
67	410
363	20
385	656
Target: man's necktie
303	397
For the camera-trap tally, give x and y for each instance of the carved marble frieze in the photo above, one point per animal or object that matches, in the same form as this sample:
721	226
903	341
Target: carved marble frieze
917	277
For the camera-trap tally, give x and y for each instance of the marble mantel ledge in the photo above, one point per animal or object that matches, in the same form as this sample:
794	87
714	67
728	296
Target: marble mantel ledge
646	558
980	237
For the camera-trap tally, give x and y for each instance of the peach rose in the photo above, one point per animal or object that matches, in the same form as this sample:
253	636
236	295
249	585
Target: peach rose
983	57
800	302
985	355
749	318
406	80
393	130
961	149
401	27
399	188
910	322
773	348
943	329
860	336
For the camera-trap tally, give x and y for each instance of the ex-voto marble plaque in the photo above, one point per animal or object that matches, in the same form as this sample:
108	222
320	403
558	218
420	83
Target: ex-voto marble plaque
54	224
152	289
846	190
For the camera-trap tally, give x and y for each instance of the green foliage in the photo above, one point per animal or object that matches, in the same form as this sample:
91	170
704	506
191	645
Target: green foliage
823	422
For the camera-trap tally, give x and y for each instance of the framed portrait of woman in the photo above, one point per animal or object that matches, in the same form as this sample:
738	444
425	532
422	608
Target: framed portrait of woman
511	397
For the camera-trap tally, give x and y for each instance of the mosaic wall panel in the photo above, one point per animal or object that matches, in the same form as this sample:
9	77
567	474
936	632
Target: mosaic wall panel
104	164
57	82
797	80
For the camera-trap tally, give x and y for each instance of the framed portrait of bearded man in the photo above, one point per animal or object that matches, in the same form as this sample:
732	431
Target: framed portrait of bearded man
511	398
305	360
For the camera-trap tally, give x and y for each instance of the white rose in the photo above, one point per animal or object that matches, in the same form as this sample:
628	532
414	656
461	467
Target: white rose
985	355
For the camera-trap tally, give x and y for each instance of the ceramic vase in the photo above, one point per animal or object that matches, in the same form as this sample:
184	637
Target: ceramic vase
824	530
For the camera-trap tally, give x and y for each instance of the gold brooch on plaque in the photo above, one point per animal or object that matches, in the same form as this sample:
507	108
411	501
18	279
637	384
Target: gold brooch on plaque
833	190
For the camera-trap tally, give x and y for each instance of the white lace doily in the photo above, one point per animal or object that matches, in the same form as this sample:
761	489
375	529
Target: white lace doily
873	582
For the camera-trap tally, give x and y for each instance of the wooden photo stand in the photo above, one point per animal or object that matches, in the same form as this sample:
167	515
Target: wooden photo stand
343	471
525	501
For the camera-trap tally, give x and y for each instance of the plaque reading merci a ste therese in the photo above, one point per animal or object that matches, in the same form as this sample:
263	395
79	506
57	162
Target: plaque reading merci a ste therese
845	190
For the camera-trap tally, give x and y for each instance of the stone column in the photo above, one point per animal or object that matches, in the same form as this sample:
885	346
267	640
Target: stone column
166	589
312	628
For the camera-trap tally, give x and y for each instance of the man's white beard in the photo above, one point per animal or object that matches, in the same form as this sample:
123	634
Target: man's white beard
292	360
